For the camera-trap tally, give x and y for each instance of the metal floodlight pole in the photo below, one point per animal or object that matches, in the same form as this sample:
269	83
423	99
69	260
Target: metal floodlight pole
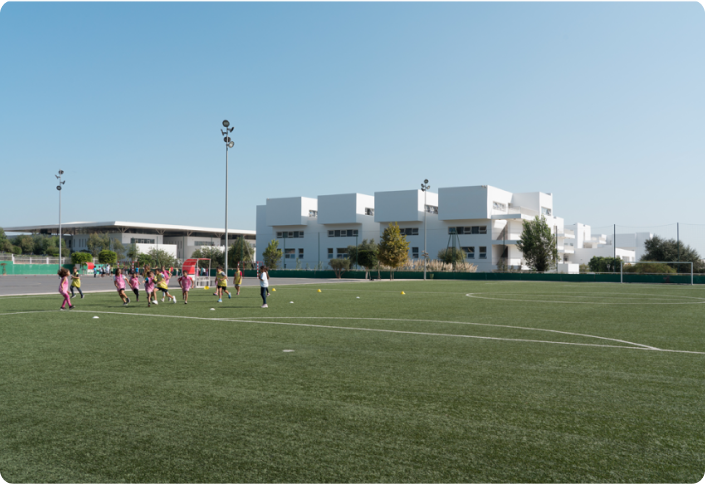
424	187
228	144
58	187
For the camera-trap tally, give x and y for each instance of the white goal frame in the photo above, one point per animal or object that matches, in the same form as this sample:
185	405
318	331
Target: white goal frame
621	267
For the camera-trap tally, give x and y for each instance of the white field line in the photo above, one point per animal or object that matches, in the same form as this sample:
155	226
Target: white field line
643	303
645	348
463	323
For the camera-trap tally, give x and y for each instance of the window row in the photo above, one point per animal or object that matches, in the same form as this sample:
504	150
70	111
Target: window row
499	206
340	253
475	229
291	253
470	252
143	241
296	234
409	231
432	209
342	233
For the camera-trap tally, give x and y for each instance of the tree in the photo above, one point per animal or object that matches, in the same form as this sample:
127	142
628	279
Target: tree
451	255
144	260
3	237
240	251
133	252
670	250
6	246
26	243
215	254
118	248
364	255
162	258
272	254
107	257
339	266
538	245
393	249
98	242
649	268
81	258
605	264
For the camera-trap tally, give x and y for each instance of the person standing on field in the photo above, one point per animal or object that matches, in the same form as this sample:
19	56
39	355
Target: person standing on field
64	287
76	283
237	279
264	285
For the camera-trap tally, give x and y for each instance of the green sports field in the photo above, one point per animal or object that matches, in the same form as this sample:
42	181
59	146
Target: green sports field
451	382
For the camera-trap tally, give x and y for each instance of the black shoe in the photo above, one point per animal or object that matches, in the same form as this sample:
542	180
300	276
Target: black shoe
128	300
71	307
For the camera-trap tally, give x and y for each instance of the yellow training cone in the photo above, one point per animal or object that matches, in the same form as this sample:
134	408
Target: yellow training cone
206	288
319	290
403	292
274	290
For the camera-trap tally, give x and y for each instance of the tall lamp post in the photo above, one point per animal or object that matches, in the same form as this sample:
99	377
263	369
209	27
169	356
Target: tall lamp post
424	187
228	144
58	187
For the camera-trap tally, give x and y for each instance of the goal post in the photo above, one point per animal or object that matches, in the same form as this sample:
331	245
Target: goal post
653	267
191	269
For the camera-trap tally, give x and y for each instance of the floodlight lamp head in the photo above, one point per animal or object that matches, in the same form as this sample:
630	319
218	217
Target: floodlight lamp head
231	129
58	187
226	123
231	144
57	176
426	182
61	172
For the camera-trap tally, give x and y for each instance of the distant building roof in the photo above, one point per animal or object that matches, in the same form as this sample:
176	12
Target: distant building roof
128	227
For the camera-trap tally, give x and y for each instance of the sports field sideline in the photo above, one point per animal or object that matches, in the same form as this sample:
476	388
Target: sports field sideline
452	381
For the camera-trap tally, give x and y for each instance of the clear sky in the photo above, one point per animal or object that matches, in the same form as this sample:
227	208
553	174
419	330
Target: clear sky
601	104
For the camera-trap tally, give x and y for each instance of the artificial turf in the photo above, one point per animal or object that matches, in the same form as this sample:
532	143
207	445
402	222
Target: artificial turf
178	393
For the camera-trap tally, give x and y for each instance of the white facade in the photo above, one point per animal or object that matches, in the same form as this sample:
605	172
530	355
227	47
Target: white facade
484	221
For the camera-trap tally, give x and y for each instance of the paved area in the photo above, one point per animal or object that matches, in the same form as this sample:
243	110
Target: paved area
34	285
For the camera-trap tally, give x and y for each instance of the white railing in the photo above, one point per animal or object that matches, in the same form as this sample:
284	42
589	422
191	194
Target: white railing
32	259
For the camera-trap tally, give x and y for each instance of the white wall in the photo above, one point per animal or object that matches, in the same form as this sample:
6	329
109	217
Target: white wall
289	211
463	203
401	206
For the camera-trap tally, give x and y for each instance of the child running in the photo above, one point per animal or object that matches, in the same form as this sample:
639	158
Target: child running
237	279
135	285
185	283
221	284
119	282
264	285
76	283
167	276
64	287
149	288
162	286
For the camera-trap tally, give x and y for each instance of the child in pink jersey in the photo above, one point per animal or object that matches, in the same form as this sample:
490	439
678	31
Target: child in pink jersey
64	287
119	282
149	288
185	282
135	285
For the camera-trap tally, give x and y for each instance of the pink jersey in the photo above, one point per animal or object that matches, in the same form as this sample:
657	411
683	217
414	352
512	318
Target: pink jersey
185	282
64	285
134	282
120	281
149	284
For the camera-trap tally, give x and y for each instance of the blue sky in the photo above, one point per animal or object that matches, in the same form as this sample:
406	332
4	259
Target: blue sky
601	104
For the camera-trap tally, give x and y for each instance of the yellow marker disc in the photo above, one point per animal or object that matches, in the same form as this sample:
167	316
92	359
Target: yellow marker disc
206	288
403	292
274	290
319	290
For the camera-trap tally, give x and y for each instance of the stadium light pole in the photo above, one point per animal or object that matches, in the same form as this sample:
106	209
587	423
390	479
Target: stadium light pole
228	144
424	187
58	187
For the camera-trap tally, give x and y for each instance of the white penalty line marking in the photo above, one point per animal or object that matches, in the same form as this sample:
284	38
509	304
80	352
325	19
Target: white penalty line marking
641	347
473	295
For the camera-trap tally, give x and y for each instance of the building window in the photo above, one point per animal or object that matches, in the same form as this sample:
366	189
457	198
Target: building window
330	253
499	206
144	241
290	254
297	234
483	252
469	252
432	209
546	211
341	253
369	211
409	231
313	213
475	229
343	233
301	253
414	252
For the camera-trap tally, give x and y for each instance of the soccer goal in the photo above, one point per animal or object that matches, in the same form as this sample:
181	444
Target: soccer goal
192	270
656	268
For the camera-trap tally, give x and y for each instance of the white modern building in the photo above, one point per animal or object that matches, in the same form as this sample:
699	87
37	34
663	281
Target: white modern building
178	240
484	221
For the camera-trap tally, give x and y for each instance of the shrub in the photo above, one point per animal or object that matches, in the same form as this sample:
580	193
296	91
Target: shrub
649	268
339	266
107	257
604	264
81	258
584	268
451	255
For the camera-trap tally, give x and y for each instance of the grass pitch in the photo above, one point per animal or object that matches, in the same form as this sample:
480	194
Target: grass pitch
451	382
